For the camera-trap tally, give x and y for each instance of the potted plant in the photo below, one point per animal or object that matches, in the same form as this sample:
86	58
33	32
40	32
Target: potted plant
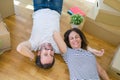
76	20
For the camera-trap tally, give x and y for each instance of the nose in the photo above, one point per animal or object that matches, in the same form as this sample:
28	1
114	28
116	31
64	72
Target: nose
52	54
49	52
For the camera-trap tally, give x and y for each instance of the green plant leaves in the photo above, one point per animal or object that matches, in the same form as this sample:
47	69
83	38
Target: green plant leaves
76	19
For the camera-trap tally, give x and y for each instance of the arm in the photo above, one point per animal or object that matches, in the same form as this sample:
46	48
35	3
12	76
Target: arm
24	48
60	42
102	72
96	52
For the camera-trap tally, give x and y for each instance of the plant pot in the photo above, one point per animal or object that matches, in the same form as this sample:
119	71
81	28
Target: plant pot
77	26
74	26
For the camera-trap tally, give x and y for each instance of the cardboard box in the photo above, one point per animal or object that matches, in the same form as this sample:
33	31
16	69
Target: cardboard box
6	8
115	65
5	43
0	18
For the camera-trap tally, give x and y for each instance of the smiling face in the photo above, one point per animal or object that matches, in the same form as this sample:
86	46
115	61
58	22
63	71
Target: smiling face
47	53
75	40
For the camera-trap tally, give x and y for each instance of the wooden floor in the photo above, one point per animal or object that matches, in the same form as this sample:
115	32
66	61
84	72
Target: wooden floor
14	66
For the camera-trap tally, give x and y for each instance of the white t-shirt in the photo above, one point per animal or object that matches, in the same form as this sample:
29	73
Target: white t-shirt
45	22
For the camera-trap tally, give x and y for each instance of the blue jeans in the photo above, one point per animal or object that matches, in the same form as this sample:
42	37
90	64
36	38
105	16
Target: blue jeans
51	4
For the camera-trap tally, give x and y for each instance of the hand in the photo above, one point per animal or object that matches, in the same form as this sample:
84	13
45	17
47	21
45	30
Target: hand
99	52
31	57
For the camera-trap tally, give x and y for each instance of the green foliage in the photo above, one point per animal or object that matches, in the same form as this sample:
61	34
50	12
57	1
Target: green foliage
76	19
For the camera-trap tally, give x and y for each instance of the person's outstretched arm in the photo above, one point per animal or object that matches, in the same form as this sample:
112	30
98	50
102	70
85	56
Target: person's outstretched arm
95	51
60	42
24	48
102	73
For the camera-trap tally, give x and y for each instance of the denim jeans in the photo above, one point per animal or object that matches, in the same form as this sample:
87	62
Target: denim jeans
51	4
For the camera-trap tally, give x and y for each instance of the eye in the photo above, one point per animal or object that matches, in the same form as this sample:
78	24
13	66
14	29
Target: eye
52	50
49	49
77	37
71	38
46	49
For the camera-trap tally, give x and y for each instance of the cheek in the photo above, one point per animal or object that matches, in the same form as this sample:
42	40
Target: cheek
52	52
70	41
42	52
79	40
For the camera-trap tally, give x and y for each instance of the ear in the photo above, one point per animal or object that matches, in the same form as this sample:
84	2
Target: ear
39	52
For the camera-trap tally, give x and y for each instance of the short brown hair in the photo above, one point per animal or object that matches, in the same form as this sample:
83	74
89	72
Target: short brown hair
45	66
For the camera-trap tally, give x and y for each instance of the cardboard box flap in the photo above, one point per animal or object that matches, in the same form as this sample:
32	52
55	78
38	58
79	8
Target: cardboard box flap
3	28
